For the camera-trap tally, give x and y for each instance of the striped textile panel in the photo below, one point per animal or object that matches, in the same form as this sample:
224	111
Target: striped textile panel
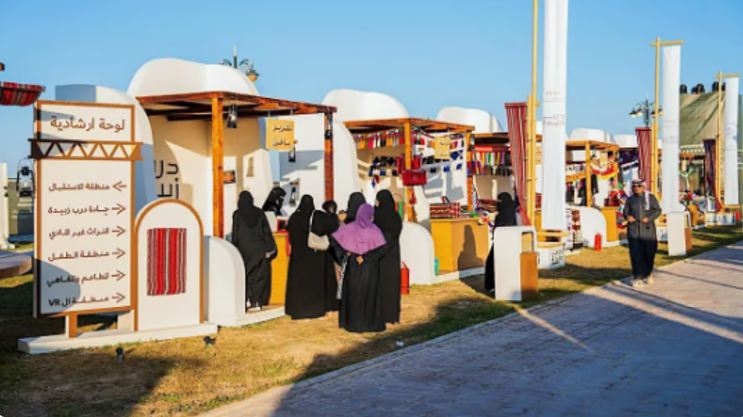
166	261
516	115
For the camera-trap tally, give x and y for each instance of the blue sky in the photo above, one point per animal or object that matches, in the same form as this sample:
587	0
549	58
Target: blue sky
428	54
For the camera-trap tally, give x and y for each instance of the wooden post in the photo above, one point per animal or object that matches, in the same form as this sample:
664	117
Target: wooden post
407	131
70	322
329	174
470	179
589	197
217	168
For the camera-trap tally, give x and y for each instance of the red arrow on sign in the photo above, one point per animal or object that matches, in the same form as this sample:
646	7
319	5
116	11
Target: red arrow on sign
118	208
119	253
119	231
118	275
119	186
119	297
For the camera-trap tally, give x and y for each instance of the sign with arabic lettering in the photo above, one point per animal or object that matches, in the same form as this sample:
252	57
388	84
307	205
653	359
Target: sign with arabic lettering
84	210
84	121
441	147
279	135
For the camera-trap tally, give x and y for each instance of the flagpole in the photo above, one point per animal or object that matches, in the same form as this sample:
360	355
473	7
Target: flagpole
531	114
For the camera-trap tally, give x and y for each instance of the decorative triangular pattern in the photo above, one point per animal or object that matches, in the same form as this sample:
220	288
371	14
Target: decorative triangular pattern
76	151
84	150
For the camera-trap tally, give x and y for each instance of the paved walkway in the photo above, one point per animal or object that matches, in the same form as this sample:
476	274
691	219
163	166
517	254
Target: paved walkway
673	349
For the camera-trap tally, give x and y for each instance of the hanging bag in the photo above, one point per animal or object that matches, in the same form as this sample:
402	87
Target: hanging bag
315	242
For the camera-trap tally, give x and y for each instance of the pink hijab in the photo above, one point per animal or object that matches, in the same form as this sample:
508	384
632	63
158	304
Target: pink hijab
361	235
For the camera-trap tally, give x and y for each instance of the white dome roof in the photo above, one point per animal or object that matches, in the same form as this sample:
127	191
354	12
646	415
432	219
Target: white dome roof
583	133
176	76
364	105
626	140
484	122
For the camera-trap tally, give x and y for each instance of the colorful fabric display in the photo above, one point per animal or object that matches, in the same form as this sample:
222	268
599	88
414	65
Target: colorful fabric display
166	261
445	210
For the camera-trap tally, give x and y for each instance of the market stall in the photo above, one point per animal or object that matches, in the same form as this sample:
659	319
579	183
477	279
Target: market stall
593	181
416	158
490	168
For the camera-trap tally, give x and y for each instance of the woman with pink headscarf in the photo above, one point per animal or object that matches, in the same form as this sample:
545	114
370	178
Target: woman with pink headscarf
354	245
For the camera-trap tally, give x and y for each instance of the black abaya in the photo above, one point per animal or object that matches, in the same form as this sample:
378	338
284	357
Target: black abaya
275	201
324	224
355	200
359	307
305	286
506	217
252	236
390	223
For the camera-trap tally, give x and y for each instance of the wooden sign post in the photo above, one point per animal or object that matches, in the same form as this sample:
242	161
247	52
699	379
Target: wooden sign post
84	210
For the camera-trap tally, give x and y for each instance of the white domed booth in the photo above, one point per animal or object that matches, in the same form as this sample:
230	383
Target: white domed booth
214	135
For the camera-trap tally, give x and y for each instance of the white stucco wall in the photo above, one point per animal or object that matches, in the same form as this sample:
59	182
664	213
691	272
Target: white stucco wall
364	105
583	133
483	121
175	76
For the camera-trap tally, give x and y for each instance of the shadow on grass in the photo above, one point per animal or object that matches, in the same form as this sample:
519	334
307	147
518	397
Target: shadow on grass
43	385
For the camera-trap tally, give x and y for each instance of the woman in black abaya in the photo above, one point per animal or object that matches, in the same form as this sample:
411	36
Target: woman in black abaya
305	286
506	217
355	200
390	223
359	311
326	222
252	236
275	201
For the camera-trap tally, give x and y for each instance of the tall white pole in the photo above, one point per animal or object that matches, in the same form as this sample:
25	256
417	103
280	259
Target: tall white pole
554	114
731	140
671	81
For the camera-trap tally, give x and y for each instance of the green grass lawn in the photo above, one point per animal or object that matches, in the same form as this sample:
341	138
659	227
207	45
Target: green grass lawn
183	377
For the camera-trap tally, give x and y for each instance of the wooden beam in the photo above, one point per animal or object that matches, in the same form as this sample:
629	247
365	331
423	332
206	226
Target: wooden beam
71	325
298	107
589	197
240	114
217	168
407	132
328	148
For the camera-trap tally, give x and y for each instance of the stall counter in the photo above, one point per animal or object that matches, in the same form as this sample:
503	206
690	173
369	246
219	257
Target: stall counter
279	269
460	243
610	214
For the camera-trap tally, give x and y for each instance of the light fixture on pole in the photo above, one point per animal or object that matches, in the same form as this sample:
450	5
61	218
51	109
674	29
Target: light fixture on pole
232	116
645	110
245	66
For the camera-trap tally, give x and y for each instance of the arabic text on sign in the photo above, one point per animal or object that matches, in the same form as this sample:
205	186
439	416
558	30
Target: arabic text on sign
71	123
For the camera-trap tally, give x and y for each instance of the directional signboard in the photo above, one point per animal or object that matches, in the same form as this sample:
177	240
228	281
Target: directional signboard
85	156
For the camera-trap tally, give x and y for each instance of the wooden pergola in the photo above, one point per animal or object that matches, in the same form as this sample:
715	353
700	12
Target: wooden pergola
587	146
210	105
407	124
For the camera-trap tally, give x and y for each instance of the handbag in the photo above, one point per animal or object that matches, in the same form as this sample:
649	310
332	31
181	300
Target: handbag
314	241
